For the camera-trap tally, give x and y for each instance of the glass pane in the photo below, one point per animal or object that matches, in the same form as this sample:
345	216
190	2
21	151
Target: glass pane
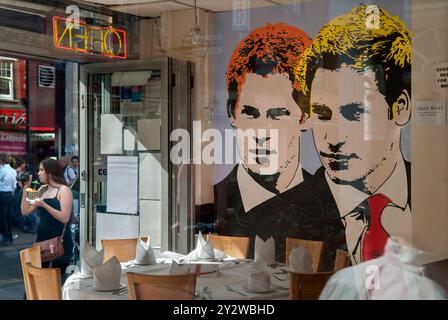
125	154
4	86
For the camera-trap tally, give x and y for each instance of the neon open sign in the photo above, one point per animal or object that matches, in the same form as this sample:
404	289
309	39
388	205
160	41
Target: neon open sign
78	36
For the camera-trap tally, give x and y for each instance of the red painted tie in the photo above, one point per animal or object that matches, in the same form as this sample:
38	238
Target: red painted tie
376	236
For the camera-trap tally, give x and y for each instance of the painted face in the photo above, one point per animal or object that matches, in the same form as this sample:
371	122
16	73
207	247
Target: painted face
353	135
43	177
269	118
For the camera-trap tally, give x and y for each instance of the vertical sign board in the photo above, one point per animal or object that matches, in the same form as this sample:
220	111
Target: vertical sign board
240	10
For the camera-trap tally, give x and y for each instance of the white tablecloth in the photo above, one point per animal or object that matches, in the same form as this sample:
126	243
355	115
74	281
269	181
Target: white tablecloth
231	276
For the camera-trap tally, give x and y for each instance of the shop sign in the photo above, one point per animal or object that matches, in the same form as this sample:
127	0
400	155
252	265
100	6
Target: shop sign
42	136
79	37
12	142
13	118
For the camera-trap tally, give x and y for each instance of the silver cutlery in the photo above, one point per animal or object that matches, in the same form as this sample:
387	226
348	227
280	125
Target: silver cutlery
280	287
236	291
131	265
281	271
275	265
208	291
278	278
121	291
200	295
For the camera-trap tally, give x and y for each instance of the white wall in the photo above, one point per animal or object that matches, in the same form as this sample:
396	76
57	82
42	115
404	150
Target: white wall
429	143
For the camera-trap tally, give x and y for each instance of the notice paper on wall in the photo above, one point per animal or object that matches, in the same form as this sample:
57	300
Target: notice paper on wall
430	113
122	184
111	134
442	76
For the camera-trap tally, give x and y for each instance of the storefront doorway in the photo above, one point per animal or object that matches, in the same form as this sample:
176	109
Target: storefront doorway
128	184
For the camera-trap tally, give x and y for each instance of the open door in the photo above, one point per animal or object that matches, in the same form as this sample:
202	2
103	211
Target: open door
129	186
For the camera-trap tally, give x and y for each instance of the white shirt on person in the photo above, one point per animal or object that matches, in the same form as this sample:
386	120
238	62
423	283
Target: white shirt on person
69	175
398	275
396	217
7	178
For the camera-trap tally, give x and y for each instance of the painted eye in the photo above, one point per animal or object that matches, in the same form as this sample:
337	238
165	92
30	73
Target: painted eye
323	113
275	113
353	111
250	112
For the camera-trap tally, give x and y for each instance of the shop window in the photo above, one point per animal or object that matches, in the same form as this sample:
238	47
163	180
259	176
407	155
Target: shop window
6	78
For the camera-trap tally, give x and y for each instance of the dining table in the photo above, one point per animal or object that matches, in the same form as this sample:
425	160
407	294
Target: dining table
228	282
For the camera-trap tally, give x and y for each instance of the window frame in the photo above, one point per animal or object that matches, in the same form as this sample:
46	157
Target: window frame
10	61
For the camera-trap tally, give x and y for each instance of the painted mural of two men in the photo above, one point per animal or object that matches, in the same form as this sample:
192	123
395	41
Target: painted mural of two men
352	88
264	94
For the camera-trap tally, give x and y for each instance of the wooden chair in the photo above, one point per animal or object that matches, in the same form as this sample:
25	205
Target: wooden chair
161	287
315	248
342	260
236	247
31	255
123	249
307	286
45	283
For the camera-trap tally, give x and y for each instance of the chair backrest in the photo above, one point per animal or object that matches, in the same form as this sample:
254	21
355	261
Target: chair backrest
45	283
342	260
307	286
123	249
31	255
315	249
236	247
161	287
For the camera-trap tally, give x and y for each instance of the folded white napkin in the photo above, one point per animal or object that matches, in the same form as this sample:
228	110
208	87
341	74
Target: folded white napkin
300	260
144	253
220	255
204	250
107	276
90	258
176	268
259	276
265	250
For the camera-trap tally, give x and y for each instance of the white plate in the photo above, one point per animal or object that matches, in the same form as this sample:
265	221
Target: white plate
122	286
141	264
267	290
83	276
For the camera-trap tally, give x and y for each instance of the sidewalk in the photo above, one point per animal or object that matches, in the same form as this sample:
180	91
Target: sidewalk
11	279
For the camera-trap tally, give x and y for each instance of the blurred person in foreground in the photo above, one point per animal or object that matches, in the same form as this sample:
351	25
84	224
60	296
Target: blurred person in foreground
398	275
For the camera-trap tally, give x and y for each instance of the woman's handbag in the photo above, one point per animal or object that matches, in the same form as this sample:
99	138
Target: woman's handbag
52	248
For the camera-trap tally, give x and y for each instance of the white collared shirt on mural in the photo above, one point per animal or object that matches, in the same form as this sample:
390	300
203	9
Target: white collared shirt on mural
396	217
257	194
